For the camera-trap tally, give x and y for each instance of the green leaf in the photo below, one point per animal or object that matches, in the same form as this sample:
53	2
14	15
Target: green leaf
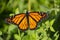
11	28
56	35
0	32
51	23
52	29
17	37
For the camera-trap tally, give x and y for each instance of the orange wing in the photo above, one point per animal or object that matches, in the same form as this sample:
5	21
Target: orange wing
37	16
24	24
32	23
34	18
20	20
16	19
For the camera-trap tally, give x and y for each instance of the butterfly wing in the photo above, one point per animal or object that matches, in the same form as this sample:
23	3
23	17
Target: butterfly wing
19	20
34	18
16	19
37	16
23	24
32	23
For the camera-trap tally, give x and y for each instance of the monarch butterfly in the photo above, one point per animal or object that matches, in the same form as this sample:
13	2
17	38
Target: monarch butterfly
28	20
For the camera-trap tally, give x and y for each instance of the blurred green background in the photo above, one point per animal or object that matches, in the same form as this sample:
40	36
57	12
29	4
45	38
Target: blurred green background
48	29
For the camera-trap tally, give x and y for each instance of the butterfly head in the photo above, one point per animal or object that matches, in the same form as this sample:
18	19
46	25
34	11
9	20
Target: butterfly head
27	12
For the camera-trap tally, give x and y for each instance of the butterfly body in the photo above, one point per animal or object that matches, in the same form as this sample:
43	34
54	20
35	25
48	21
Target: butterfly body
28	20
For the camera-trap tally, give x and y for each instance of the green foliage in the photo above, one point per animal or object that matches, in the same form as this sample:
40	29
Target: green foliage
48	29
